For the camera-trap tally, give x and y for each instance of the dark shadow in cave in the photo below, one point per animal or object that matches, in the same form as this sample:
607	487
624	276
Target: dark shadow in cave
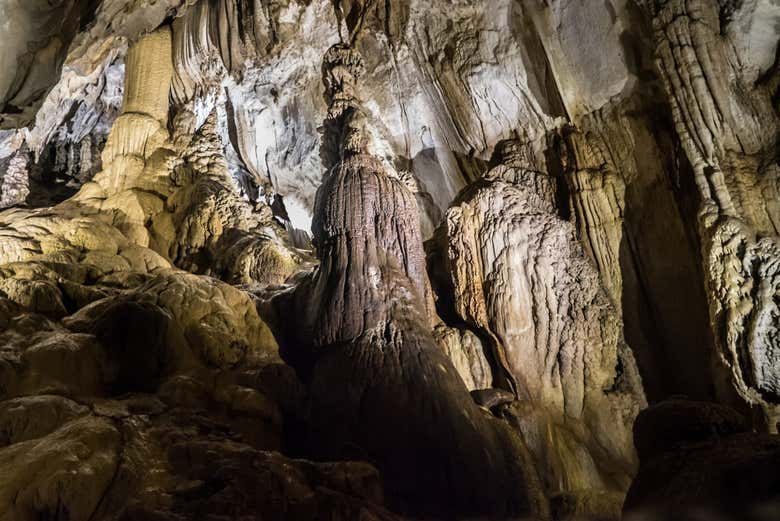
665	310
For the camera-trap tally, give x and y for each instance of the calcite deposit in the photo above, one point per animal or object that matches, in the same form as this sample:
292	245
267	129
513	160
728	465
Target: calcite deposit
389	259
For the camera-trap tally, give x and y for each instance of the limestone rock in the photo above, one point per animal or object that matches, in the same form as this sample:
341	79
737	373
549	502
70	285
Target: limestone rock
724	131
16	181
672	424
138	459
50	359
219	477
32	417
218	322
216	231
705	461
64	473
599	183
521	278
34	295
467	354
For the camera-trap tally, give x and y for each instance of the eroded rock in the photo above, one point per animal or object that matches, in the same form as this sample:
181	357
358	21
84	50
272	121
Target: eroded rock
638	219
521	278
701	459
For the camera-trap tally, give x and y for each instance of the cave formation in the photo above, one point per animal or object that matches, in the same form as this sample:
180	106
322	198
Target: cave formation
389	259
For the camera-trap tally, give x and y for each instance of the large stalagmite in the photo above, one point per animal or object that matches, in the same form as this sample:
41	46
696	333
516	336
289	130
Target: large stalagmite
521	278
380	386
138	151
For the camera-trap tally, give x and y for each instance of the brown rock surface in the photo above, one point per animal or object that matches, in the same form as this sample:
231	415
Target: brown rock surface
700	459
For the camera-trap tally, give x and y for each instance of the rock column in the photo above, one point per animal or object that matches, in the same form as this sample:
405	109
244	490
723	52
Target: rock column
522	279
135	177
381	388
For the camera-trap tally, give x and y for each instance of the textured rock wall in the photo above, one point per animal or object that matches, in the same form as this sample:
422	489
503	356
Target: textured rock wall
597	183
728	129
634	205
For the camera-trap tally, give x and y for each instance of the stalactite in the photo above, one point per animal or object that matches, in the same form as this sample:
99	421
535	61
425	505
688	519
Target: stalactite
725	128
15	185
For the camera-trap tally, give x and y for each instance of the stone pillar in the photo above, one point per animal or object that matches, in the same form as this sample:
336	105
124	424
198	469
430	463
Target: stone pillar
136	167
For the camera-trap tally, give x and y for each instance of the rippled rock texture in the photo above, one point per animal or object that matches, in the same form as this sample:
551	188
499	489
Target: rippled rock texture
384	259
521	278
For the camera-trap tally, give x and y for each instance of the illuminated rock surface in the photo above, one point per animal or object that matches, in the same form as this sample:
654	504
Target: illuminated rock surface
379	259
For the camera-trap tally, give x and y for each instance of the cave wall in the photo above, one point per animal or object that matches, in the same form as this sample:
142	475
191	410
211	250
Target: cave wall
524	221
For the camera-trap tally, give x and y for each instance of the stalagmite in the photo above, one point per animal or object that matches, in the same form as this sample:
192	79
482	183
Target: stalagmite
381	388
520	277
133	181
